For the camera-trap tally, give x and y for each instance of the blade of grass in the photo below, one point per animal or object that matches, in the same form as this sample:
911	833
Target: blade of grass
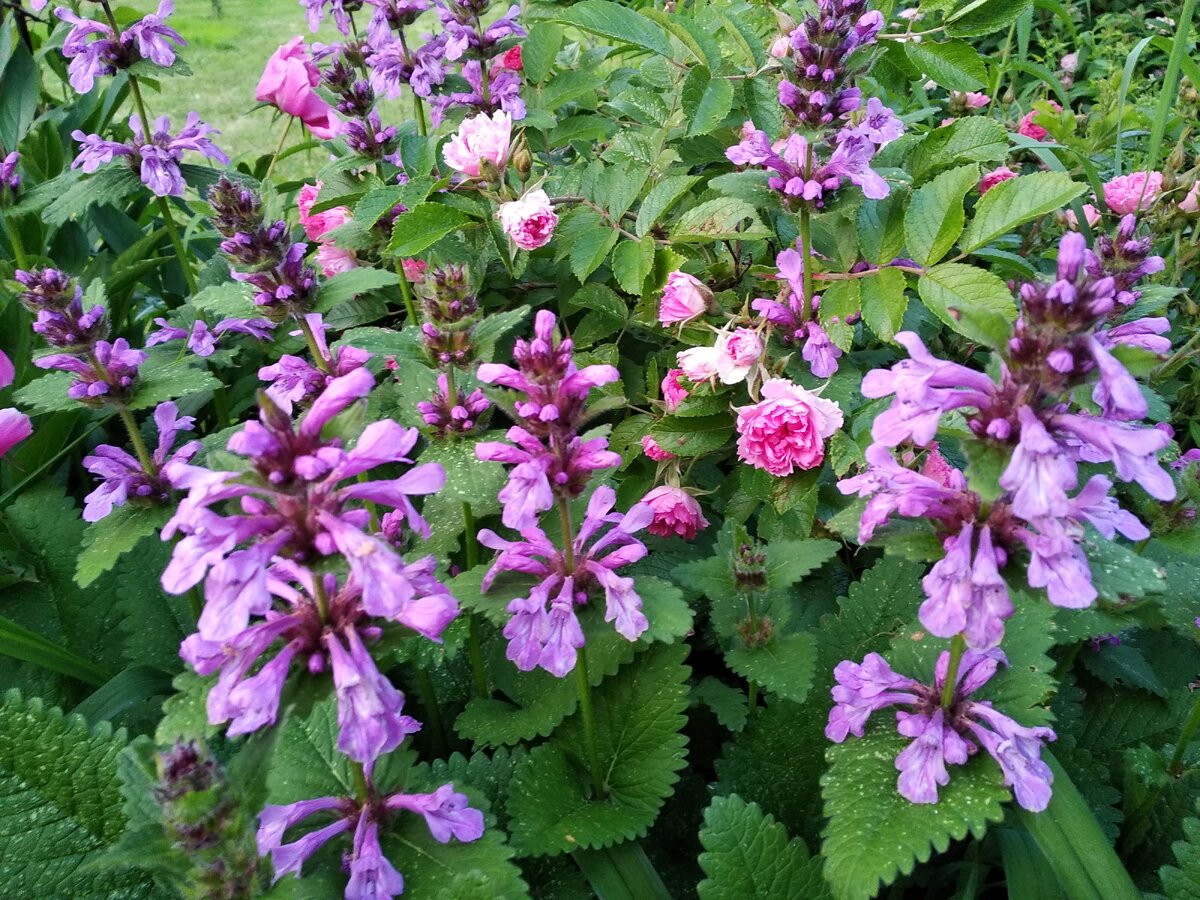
1126	77
1166	94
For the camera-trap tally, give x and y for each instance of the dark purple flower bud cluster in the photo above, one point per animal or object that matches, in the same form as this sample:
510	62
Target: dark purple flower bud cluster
155	158
300	507
372	876
105	372
459	415
261	254
149	38
821	89
942	735
296	381
450	310
1031	413
1126	259
203	819
553	465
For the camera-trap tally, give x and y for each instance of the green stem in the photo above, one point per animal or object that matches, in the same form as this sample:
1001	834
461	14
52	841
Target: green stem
279	147
139	446
1138	823
1167	94
319	359
589	722
14	238
568	536
419	108
361	790
406	292
806	253
195	603
180	253
433	712
221	402
471	549
957	646
320	597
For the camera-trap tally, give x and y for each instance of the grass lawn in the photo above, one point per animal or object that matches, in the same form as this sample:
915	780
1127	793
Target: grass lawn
227	55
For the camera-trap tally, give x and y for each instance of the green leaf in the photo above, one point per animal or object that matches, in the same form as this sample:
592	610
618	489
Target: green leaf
723	219
969	139
1123	664
229	298
46	394
840	299
762	103
693	435
985	16
1118	573
169	382
613	21
668	613
29	646
955	65
632	263
348	285
975	303
935	217
706	100
111	184
1017	201
117	533
727	703
748	854
874	835
355	312
784	666
21	83
421	228
638	722
469	480
123	691
539	49
877	607
884	302
1026	873
60	804
1071	839
881	227
661	198
591	246
1182	882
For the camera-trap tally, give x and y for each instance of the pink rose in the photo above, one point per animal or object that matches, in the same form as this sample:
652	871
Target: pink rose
743	348
684	298
781	47
1069	63
480	139
676	513
1191	203
511	59
287	84
1029	129
14	425
1128	193
414	269
335	260
976	100
529	221
673	392
1089	212
317	225
787	429
731	358
994	177
654	450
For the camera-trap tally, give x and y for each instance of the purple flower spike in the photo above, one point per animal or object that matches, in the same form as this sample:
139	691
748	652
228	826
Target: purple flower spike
446	813
156	157
371	875
942	737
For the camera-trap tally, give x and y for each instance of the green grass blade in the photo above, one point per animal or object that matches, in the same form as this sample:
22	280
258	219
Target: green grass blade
1166	94
29	646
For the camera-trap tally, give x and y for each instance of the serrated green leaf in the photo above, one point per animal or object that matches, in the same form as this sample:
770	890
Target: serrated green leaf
884	303
762	103
875	835
723	219
632	263
969	139
935	217
613	21
590	247
668	613
421	228
881	227
1122	664
1017	201
972	301
727	703
955	65
748	854
228	299
706	100
117	533
784	666
1182	881
693	435
1118	573
110	184
840	299
469	480
46	394
348	285
877	607
170	382
638	718
980	17
539	49
660	198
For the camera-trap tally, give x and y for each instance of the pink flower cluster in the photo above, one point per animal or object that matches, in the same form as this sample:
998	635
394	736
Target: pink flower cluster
332	259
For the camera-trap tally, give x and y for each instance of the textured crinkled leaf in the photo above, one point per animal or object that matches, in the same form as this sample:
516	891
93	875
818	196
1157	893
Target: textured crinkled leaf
184	714
722	219
661	198
969	139
972	301
421	228
632	263
874	835
706	100
934	218
727	703
157	384
668	613
1017	201
639	717
784	666
693	435
1182	881
955	65
1118	573
153	622
748	854
117	533
613	21
46	394
469	480
348	285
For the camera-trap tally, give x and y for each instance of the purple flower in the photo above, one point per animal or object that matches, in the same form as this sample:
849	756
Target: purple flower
158	155
371	875
315	12
286	288
122	478
295	380
153	38
821	45
965	592
1040	472
550	639
1131	449
108	374
458	416
150	38
878	124
10	180
446	813
942	736
1057	563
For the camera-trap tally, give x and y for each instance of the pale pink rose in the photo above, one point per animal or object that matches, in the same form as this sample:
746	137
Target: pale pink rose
676	513
529	221
1029	129
317	225
673	392
14	425
787	429
1191	203
684	298
994	177
699	363
976	100
781	47
1128	193
414	269
480	139
739	352
1089	212
334	260
287	84
911	13
654	450
1069	63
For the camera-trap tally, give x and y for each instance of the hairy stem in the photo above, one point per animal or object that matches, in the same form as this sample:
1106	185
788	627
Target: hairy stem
471	549
279	147
319	359
135	438
957	646
589	721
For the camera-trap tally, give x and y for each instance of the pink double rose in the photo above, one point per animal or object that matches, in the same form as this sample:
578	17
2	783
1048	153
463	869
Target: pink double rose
730	359
332	259
1128	193
676	513
480	141
787	429
529	221
684	298
287	84
14	425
